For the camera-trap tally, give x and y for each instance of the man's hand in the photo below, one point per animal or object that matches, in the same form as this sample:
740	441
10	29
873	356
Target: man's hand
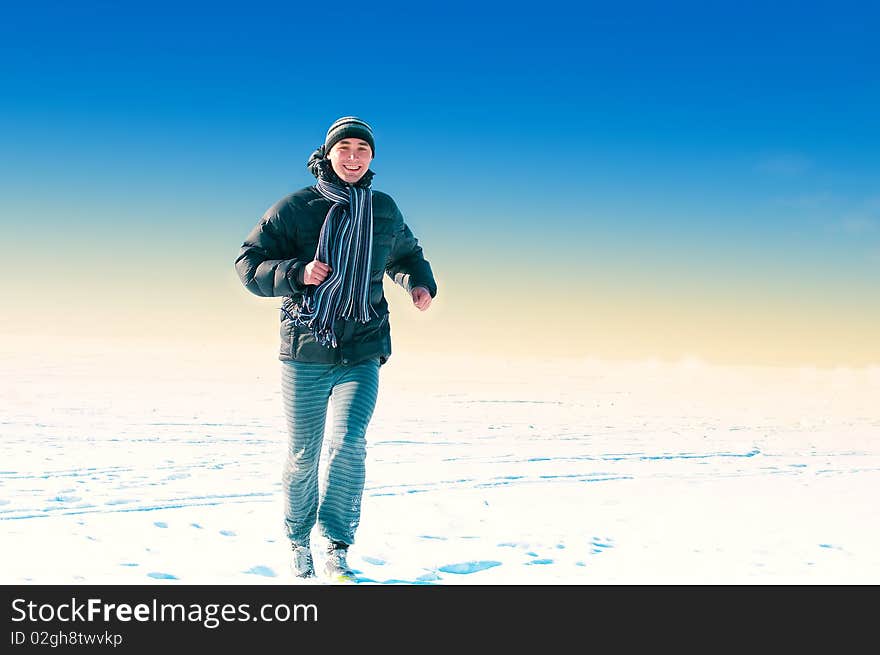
421	298
315	272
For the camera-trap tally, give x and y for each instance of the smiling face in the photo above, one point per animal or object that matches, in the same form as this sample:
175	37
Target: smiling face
350	159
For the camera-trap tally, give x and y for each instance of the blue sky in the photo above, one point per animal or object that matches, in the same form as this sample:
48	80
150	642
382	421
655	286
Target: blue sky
721	156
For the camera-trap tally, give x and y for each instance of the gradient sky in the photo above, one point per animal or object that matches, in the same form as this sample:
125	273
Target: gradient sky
623	179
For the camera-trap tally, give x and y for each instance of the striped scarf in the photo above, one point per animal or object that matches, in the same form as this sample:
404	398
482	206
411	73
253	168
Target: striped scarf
346	245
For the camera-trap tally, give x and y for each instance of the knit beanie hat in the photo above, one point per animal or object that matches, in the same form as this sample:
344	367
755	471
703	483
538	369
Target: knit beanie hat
349	127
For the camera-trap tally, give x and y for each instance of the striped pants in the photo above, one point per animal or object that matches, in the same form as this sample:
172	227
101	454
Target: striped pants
336	502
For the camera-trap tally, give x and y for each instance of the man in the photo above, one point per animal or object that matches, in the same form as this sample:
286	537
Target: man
325	249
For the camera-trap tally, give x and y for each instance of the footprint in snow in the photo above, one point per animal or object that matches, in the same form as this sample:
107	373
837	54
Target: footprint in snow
227	533
160	524
376	561
162	576
463	568
262	570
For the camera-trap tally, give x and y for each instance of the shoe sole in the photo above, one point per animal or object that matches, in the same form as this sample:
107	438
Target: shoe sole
335	575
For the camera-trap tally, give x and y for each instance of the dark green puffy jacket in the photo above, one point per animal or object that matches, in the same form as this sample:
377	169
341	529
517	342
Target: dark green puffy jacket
274	254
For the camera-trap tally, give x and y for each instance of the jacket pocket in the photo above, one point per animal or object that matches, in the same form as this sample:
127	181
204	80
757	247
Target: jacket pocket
295	345
372	332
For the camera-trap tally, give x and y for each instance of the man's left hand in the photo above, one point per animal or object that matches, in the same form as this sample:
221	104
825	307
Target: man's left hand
421	298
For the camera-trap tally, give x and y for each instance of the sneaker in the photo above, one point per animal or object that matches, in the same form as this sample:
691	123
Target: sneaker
336	566
302	561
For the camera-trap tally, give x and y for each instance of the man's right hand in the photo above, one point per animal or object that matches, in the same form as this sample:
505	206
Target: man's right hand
315	272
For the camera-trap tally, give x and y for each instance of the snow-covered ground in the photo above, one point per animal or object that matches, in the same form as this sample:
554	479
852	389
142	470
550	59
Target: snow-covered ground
127	465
